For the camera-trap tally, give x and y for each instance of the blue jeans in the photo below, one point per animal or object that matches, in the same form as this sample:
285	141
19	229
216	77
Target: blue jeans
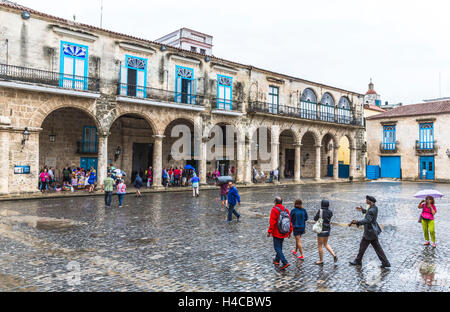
278	246
108	198
120	198
232	211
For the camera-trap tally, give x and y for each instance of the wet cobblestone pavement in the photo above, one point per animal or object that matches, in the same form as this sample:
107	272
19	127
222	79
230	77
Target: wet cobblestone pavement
174	242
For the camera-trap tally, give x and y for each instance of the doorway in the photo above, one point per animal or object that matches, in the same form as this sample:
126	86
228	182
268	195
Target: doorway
142	159
289	163
132	81
427	167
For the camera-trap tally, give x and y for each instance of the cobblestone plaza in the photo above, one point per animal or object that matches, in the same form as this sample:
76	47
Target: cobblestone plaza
174	242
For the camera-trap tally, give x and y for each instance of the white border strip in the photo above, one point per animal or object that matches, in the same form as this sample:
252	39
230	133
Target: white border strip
225	69
38	88
133	48
225	112
160	104
184	59
74	34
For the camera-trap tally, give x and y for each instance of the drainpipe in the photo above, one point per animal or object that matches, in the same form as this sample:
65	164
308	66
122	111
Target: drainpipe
6	42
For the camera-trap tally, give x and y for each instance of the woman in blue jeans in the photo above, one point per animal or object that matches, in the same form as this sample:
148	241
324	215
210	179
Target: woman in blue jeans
233	199
121	191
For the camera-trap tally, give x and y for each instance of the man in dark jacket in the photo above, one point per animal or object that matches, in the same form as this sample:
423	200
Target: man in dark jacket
278	237
371	232
233	200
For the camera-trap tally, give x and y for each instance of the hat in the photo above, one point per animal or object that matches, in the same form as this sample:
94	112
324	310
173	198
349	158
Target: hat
325	203
371	198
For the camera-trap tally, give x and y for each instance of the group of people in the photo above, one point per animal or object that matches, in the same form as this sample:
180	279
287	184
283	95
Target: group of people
262	177
176	176
72	179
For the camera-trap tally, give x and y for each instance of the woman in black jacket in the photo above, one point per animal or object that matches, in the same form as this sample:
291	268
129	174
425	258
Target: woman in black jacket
322	237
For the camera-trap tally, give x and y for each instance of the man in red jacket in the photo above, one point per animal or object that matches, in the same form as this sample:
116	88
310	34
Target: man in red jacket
278	237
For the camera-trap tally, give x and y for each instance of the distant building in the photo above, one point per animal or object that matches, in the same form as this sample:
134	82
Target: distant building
371	97
188	39
411	142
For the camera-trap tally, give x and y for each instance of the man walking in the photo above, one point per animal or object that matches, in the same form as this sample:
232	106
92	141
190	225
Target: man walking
371	232
233	199
279	216
108	187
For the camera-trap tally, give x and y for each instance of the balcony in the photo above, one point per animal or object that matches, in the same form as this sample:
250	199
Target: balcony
296	112
426	147
160	97
226	107
389	148
13	73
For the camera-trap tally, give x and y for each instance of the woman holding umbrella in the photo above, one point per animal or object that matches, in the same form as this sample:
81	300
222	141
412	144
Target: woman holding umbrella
427	219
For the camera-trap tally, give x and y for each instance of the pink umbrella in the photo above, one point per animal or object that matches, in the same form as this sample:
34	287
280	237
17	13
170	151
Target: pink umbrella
424	193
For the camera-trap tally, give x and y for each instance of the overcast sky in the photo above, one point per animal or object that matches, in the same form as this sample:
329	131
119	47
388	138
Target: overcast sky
402	44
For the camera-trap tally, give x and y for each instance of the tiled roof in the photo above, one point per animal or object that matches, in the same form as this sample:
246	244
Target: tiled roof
374	108
13	5
430	108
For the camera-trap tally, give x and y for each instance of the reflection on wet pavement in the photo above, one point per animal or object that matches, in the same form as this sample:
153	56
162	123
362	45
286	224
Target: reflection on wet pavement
174	242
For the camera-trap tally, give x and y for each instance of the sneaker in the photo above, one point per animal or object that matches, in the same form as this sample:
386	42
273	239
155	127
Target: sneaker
276	262
301	258
386	265
433	245
426	243
284	266
294	252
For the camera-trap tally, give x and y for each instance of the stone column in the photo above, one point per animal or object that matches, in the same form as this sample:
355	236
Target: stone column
352	161
248	163
4	154
336	163
240	154
282	160
157	161
317	163
202	161
274	153
102	165
297	162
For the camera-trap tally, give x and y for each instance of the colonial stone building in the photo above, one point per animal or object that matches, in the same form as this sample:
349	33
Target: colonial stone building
80	95
411	142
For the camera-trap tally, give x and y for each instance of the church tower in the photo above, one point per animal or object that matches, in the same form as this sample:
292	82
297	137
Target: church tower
371	97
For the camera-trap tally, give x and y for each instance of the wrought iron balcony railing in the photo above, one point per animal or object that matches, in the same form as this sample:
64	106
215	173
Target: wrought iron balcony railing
226	105
291	111
59	80
426	147
387	148
125	89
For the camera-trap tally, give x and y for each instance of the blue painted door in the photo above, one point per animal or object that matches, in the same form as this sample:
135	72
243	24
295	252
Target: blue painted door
88	162
344	171
372	172
427	163
390	166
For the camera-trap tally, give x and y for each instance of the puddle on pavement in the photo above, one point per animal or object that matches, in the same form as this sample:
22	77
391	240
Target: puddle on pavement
144	240
11	283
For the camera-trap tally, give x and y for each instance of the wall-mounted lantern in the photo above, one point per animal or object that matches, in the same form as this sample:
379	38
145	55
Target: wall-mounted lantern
117	153
25	136
52	138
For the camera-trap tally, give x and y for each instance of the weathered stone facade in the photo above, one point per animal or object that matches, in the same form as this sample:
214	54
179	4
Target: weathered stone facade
47	107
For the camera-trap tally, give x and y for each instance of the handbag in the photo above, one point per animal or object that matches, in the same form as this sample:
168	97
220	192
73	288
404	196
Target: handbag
317	227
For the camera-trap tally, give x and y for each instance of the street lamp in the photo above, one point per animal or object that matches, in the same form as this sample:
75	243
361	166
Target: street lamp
25	136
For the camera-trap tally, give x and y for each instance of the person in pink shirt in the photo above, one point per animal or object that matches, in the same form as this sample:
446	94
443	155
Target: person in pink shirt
427	219
43	176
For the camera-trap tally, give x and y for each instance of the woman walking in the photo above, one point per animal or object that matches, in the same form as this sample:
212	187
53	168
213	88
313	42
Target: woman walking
322	237
299	216
121	191
44	180
427	219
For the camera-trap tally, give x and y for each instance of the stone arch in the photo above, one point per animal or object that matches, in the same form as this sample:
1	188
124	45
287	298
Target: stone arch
314	133
288	140
142	115
328	99
295	131
309	95
328	157
44	111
